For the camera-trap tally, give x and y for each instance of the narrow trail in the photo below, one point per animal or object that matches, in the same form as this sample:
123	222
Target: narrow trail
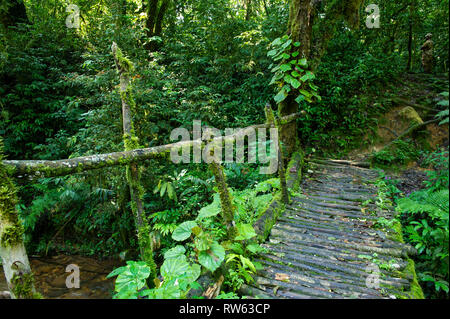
323	244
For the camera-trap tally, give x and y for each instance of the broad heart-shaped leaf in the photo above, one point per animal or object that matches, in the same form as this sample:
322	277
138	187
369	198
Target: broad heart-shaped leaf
244	231
212	258
117	271
292	81
174	267
211	210
132	278
175	252
168	291
202	243
280	96
183	231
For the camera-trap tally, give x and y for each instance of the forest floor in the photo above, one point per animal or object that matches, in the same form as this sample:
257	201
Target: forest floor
419	91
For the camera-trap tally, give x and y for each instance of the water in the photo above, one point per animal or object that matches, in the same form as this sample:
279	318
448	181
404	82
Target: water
50	277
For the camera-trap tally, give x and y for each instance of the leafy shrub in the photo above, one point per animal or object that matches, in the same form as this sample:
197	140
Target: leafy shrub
426	215
398	153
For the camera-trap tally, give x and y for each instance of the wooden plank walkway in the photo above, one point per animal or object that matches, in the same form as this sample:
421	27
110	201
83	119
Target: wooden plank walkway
326	245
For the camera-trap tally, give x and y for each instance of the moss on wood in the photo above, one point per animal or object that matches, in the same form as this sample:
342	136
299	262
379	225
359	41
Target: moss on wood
23	286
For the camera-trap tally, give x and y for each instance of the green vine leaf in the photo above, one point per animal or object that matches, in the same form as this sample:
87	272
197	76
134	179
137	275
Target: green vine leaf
280	96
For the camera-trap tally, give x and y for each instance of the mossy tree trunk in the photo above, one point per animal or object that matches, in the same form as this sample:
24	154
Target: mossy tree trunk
225	197
156	11
131	142
12	250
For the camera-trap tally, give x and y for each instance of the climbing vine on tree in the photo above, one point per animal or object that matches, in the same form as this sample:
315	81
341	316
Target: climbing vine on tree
291	72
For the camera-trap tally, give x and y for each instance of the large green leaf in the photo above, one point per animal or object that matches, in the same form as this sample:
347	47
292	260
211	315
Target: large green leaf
280	96
245	231
193	273
175	252
183	231
174	267
212	258
285	67
272	52
168	291
211	210
292	81
132	278
276	42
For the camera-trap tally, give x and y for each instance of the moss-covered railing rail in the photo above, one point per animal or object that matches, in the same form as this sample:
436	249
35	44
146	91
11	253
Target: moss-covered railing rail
12	251
46	168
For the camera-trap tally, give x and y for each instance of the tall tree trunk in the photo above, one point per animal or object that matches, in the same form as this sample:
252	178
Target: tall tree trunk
124	66
12	250
152	11
14	13
410	36
300	29
226	201
154	45
249	9
156	12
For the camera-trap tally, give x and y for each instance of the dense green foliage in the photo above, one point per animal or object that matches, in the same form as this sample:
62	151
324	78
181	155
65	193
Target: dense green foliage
425	216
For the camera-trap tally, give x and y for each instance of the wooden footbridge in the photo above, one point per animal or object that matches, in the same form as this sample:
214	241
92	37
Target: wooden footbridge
327	243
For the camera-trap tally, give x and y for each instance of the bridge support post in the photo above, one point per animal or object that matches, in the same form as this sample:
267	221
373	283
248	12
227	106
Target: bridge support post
12	249
124	67
270	118
226	202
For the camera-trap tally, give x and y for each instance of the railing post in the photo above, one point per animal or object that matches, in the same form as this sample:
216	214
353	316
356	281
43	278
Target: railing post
270	117
12	249
226	200
225	197
124	67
